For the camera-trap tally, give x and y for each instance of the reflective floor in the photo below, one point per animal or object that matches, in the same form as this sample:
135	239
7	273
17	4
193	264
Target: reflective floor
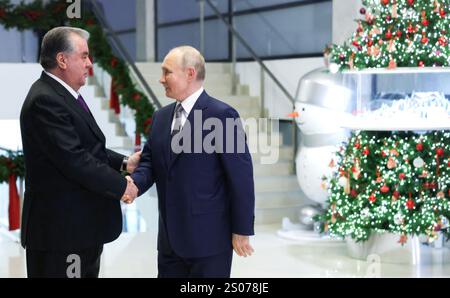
134	255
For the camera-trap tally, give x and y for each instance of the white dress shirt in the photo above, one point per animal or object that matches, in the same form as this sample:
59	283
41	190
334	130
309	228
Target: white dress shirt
187	105
73	92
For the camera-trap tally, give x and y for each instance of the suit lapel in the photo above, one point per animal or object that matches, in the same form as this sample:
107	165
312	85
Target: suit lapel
199	105
88	117
166	130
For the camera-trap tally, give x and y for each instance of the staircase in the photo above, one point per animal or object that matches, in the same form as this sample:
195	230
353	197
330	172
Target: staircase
277	191
107	120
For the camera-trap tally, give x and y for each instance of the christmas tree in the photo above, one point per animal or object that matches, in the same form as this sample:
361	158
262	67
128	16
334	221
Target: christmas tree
406	33
397	182
393	181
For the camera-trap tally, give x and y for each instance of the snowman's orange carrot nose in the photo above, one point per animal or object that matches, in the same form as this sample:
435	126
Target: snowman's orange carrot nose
294	114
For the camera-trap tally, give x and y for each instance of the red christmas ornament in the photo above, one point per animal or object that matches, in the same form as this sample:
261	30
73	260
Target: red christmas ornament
362	10
372	198
388	18
2	13
442	12
399	33
425	22
410	204
90	22
396	194
421	64
385	2
388	34
137	97
366	151
440	152
370	43
448	163
424	40
353	193
384	189
383	153
357	145
113	62
147	124
442	41
411	29
411	2
401	176
33	15
419	147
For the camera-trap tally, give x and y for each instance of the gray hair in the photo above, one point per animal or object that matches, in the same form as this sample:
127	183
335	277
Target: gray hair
191	57
58	40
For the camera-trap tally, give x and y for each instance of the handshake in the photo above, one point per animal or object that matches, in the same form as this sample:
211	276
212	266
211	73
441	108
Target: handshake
131	192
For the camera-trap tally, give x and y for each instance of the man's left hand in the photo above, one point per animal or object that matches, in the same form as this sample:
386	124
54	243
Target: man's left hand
241	245
133	162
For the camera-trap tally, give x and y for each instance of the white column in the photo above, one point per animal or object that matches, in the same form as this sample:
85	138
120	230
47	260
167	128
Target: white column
145	30
344	14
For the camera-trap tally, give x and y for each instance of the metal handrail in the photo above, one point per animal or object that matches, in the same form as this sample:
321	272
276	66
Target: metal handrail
117	44
251	51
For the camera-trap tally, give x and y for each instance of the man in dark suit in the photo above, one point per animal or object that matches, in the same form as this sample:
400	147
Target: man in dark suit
73	184
206	197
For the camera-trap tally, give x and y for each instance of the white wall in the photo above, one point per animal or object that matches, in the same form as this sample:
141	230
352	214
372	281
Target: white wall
288	72
15	81
344	16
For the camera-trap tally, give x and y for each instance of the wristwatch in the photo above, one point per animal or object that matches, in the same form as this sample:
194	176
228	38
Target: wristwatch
124	164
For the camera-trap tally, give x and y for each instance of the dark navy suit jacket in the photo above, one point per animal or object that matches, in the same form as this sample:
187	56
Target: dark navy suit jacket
203	197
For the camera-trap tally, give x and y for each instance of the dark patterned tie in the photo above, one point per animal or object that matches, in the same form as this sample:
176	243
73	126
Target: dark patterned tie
177	126
82	103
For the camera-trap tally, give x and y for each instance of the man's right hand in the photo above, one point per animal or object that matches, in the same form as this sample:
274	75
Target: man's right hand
131	191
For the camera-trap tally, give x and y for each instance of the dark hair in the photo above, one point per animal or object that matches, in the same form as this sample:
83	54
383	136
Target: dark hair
58	40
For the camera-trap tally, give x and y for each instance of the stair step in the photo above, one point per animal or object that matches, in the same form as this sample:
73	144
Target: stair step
276	183
211	67
210	80
280	168
277	199
275	215
285	153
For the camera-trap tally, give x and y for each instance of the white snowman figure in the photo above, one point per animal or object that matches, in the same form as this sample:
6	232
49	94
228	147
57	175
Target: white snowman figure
323	105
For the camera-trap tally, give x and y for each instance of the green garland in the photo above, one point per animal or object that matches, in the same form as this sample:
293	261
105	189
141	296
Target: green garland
42	17
393	33
397	182
11	164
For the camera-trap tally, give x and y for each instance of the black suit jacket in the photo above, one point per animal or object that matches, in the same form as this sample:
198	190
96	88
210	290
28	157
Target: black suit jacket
73	183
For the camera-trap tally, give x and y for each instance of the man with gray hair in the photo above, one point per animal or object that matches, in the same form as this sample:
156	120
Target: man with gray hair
73	184
206	197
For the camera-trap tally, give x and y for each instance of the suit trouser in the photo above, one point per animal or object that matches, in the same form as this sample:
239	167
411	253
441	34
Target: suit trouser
171	265
56	264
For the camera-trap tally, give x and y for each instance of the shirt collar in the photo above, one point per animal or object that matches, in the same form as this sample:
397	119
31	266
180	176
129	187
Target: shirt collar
189	102
71	91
